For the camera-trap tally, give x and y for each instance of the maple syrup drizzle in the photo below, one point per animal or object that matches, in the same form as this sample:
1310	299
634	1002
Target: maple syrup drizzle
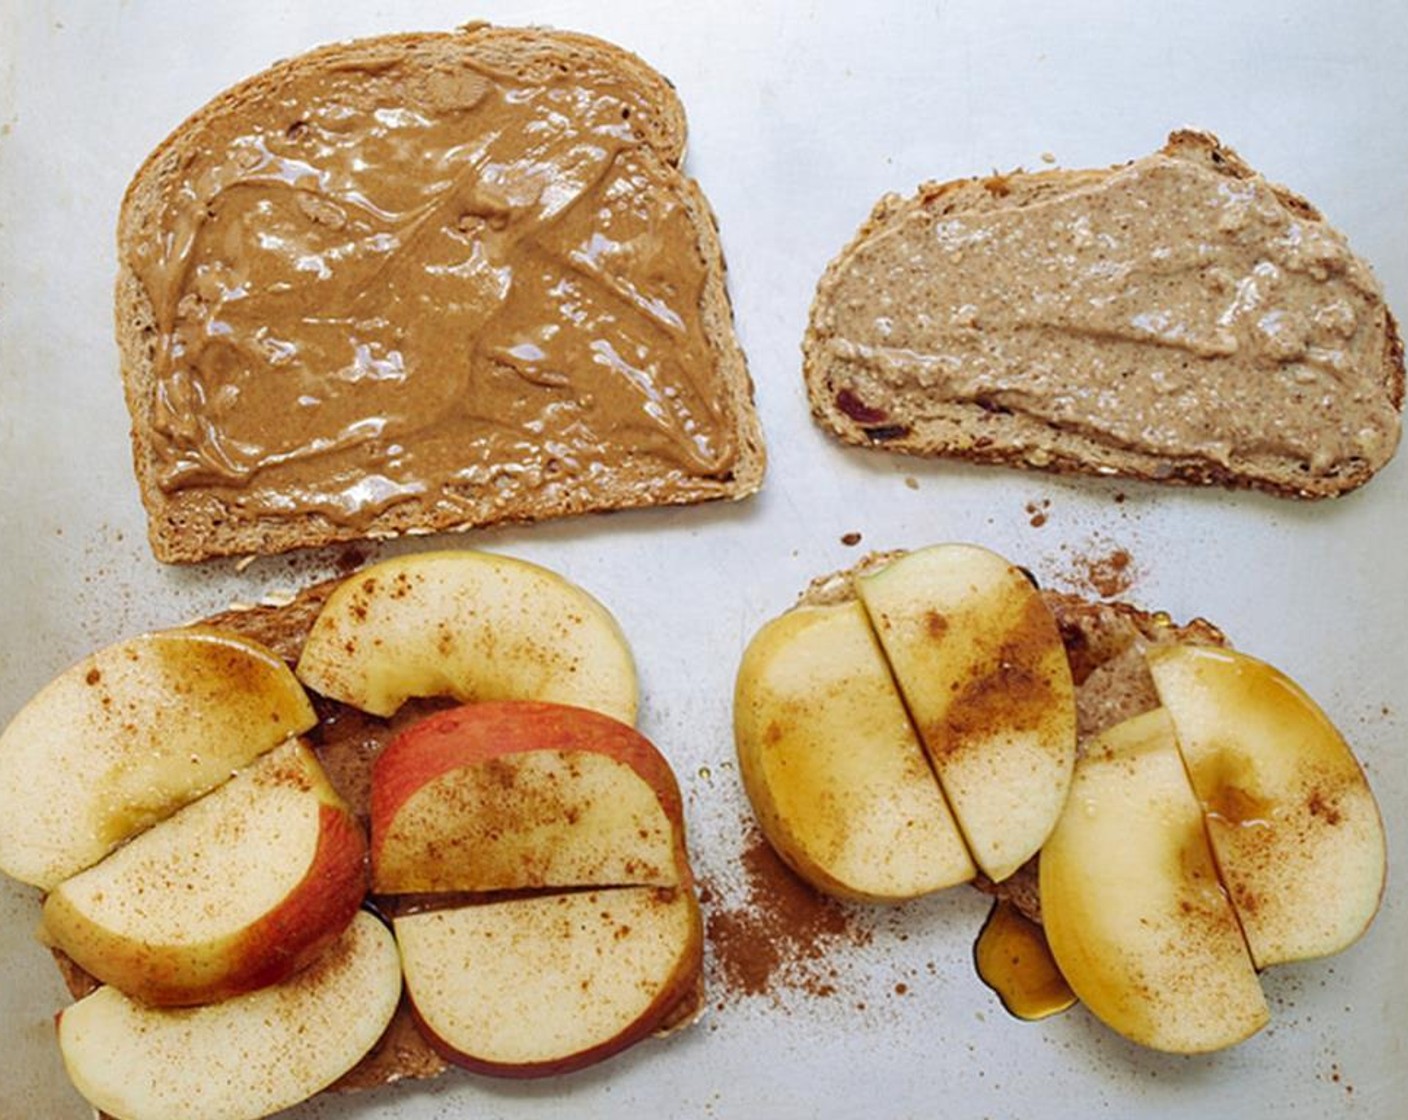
1013	959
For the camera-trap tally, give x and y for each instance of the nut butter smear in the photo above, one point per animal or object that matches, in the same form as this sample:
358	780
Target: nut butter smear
379	278
1162	308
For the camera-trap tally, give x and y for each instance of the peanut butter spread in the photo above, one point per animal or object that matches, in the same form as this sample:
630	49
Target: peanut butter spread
1163	308
411	278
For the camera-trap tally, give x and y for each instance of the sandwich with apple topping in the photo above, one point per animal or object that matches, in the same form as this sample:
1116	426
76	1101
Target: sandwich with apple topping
288	833
1175	814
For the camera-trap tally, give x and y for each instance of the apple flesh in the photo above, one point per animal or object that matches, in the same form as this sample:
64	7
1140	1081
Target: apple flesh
528	987
233	892
831	763
984	674
520	795
470	626
544	845
130	734
1294	827
1133	911
242	1058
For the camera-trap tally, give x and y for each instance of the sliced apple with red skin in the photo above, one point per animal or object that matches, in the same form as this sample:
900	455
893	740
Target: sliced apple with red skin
984	674
520	795
241	1058
472	626
130	734
233	892
529	987
831	763
1131	904
549	842
1294	825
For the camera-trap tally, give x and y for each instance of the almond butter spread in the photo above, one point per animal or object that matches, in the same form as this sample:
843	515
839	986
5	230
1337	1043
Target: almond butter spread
402	277
1164	308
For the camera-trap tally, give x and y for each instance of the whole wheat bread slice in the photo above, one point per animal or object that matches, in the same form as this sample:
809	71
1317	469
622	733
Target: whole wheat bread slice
1105	644
194	517
906	353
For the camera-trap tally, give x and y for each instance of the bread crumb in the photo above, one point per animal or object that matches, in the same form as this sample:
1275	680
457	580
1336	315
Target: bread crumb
911	482
1048	157
850	540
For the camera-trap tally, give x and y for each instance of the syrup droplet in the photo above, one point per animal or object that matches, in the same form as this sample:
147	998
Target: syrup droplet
1013	960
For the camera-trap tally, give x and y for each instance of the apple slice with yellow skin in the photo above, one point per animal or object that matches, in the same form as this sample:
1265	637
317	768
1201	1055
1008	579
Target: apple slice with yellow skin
130	734
832	766
471	626
233	892
1294	825
242	1058
1131	903
981	666
533	986
521	795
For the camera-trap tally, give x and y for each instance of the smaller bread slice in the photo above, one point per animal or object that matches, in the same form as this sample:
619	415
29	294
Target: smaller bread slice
426	282
1175	319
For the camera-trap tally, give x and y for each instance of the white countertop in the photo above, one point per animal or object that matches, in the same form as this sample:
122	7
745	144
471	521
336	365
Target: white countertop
801	116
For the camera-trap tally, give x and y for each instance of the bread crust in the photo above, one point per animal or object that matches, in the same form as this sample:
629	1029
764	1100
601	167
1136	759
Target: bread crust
969	432
195	524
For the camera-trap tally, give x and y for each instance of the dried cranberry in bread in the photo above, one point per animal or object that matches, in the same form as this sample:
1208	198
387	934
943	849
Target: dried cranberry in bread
426	282
1175	319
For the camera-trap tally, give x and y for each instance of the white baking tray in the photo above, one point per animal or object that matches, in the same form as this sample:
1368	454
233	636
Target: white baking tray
801	116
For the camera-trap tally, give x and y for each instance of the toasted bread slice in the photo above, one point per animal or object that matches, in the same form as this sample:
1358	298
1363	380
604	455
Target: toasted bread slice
1105	643
1175	319
426	282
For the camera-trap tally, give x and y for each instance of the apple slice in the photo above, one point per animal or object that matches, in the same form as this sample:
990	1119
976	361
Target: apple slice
980	663
528	987
1294	826
1133	911
233	892
518	795
242	1058
129	735
467	625
835	773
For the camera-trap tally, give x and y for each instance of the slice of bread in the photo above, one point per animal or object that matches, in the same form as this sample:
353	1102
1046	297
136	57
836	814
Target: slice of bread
426	282
1105	643
347	741
1175	319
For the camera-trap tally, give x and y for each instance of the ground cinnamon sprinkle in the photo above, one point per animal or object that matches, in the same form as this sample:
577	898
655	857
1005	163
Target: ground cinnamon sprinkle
1110	575
1103	570
780	935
